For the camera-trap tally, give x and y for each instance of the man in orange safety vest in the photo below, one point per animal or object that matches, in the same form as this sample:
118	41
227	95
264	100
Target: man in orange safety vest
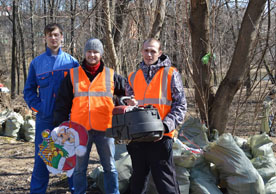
86	97
159	84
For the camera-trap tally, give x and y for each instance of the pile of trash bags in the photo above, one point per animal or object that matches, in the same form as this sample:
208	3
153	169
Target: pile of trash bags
227	165
14	125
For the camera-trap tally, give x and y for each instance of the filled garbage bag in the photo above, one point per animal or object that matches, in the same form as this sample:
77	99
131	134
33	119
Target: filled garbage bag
263	156
270	187
13	124
28	129
203	181
193	133
124	169
233	166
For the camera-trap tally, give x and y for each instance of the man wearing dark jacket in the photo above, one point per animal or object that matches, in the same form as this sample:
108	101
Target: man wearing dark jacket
159	84
86	97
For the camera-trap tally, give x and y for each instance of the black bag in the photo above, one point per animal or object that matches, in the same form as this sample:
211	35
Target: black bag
136	123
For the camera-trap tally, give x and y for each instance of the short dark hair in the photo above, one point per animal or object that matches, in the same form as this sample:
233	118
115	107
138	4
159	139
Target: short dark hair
153	40
51	27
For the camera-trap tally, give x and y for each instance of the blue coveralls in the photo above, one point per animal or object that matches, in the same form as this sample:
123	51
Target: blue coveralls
45	75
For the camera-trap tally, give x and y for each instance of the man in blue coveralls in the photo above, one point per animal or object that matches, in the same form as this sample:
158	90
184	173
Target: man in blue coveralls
46	72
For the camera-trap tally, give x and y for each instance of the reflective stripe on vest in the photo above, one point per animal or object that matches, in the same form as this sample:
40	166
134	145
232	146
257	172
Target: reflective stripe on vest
163	101
107	85
93	101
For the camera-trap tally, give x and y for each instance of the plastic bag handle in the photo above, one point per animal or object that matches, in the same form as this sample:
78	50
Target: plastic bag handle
122	99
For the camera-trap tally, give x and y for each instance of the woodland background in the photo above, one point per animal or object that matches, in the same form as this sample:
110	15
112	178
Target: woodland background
235	38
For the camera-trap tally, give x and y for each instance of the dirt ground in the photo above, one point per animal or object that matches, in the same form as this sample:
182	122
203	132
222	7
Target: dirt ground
16	165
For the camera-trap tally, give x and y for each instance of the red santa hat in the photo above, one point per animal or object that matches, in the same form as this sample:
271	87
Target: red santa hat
81	136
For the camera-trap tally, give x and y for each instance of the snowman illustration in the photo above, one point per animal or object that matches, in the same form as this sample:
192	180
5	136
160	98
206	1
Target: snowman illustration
61	146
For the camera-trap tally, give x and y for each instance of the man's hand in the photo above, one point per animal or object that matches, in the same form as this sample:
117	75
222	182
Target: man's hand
131	102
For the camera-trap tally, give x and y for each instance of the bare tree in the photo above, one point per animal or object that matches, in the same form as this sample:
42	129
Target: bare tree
22	41
73	6
97	20
214	107
142	27
14	44
32	28
108	36
159	19
51	4
45	14
17	67
239	66
120	26
199	26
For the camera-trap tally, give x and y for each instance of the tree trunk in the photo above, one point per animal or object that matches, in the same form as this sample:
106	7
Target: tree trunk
13	65
199	26
97	26
119	30
45	16
18	68
108	37
159	19
142	24
120	23
274	50
238	68
52	8
32	28
22	41
73	13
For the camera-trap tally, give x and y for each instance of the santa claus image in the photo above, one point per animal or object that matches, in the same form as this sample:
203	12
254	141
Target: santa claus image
59	149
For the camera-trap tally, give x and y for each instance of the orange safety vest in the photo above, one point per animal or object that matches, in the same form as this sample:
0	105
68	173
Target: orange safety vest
93	101
156	93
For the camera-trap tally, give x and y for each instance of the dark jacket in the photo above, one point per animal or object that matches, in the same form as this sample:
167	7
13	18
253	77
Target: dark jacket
65	95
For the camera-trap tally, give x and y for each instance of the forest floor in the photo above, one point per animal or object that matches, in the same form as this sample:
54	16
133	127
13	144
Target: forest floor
16	157
16	165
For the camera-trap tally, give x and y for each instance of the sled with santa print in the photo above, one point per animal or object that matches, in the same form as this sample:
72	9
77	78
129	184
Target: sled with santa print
60	147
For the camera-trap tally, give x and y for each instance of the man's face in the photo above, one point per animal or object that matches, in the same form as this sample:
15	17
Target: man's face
151	52
53	39
92	57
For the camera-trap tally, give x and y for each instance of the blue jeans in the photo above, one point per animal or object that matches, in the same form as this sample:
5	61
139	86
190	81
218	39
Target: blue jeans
106	149
40	175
